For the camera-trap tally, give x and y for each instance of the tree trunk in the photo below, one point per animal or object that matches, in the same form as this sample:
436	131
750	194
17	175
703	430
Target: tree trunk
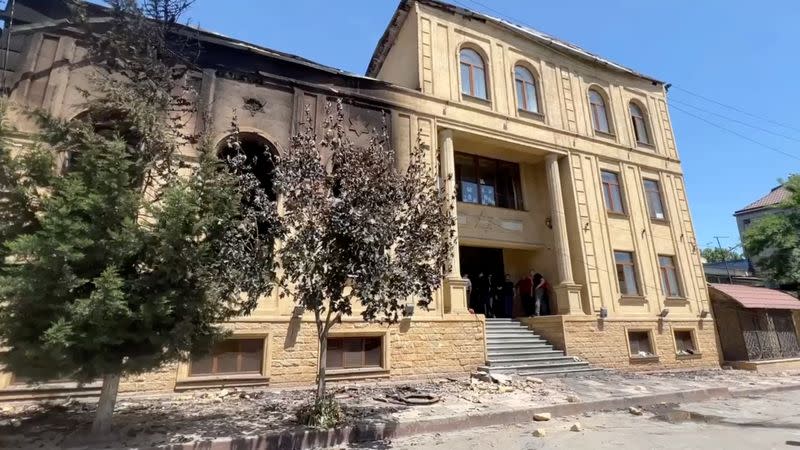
323	362
105	406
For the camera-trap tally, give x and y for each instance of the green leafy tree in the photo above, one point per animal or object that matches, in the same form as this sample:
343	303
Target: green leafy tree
773	241
114	263
716	254
358	230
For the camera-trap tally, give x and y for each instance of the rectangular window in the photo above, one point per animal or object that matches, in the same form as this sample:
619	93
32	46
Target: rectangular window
654	199
612	192
684	344
626	273
232	356
669	276
487	181
639	342
355	353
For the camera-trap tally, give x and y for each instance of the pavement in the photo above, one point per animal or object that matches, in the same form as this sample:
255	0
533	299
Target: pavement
765	421
264	418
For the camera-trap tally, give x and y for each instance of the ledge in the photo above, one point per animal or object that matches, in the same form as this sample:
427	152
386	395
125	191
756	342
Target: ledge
643	359
213	381
693	356
346	374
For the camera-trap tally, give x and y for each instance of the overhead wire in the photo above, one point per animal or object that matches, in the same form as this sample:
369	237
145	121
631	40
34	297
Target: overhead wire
736	133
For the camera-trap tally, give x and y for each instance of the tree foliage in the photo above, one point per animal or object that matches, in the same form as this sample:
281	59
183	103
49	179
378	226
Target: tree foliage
715	254
773	241
115	263
358	228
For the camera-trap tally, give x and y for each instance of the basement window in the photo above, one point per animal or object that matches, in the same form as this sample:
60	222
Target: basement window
231	357
684	343
640	344
355	353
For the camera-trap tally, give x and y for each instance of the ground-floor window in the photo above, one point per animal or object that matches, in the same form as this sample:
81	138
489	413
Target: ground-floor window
640	345
684	342
232	356
355	352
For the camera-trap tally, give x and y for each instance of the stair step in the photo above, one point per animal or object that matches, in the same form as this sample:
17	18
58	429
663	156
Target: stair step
517	335
518	346
520	332
537	366
557	372
526	361
522	353
514	341
526	357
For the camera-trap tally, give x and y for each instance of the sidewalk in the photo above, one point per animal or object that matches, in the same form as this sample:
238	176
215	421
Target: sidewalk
232	418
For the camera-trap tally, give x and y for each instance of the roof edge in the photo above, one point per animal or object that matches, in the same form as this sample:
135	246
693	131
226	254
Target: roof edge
389	34
382	49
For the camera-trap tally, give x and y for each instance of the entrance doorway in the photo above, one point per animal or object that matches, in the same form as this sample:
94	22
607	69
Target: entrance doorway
480	263
477	260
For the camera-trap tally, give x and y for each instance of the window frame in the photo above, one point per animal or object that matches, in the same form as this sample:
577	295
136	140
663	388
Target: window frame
634	271
516	203
593	112
665	283
607	197
695	343
660	194
183	381
650	340
471	70
385	366
533	84
645	122
239	360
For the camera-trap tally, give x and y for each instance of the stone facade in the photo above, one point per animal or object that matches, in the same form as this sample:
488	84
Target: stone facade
560	228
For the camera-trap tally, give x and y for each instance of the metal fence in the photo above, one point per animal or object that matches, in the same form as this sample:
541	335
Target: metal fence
769	334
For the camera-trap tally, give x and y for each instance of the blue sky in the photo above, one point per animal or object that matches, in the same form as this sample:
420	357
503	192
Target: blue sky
737	52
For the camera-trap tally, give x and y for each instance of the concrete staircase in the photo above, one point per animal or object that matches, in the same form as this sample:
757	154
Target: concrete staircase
513	348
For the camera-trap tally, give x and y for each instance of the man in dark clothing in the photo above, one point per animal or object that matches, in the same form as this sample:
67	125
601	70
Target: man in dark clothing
540	299
506	291
525	289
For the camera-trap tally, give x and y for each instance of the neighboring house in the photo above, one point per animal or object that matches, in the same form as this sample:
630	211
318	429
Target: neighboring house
731	272
757	327
766	205
561	162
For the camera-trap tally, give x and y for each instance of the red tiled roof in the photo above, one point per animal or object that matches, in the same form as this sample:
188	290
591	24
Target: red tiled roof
757	297
775	196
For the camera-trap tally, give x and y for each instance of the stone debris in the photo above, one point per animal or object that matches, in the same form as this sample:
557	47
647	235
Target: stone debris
542	417
635	411
576	427
539	432
573	399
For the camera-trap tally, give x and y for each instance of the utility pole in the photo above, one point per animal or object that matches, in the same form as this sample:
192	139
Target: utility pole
724	258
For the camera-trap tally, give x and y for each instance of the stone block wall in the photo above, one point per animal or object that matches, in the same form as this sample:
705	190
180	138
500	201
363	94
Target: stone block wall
605	343
415	349
550	328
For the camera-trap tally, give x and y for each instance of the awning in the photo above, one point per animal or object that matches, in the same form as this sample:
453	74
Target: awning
756	297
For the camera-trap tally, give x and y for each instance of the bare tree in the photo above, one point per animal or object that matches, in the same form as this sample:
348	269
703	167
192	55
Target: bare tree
358	228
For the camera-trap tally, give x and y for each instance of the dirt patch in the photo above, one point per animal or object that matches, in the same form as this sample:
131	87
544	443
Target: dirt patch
204	415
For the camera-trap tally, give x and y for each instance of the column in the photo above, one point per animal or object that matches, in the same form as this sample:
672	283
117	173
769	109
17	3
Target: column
567	292
455	287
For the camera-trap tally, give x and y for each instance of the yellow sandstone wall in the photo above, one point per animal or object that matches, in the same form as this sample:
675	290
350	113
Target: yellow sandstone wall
605	343
414	349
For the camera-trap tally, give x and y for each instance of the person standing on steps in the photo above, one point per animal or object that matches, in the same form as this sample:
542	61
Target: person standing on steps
506	295
540	299
525	290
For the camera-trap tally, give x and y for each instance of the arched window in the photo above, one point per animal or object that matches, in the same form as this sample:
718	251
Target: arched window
639	122
599	112
473	75
259	158
527	98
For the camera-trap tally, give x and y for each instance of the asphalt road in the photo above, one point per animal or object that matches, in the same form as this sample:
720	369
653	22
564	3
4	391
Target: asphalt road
766	422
